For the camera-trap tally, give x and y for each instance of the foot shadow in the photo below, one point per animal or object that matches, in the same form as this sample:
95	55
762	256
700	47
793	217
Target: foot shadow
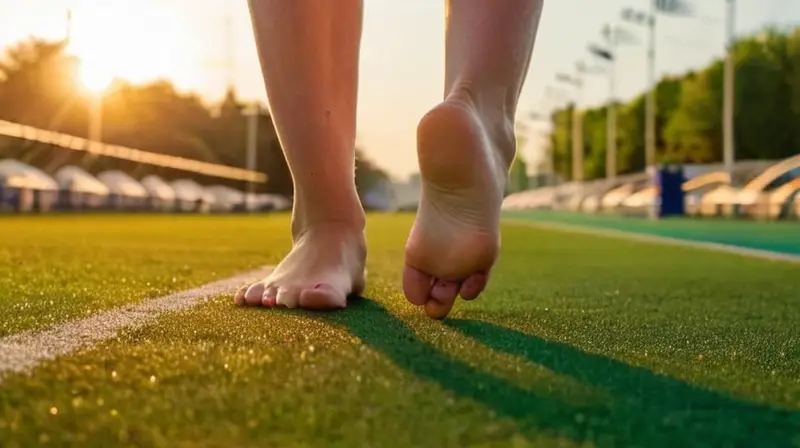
647	409
385	333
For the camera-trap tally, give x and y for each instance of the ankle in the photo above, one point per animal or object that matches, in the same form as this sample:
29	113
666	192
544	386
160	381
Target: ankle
341	210
496	112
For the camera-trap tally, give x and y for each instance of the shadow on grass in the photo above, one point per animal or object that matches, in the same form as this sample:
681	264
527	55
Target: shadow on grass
646	409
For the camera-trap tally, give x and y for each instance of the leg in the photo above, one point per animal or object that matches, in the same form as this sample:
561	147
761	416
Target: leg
309	58
465	147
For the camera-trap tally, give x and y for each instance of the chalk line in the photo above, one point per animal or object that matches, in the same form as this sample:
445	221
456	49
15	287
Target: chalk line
21	352
646	238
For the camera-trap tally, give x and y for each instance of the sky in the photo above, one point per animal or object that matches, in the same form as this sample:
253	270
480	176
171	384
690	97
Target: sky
202	45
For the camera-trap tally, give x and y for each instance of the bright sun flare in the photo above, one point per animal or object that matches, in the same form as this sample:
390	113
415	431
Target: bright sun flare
138	41
95	77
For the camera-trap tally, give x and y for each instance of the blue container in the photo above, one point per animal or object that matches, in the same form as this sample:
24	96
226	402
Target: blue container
669	182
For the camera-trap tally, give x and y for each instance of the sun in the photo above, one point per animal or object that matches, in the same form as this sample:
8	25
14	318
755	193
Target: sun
132	40
95	77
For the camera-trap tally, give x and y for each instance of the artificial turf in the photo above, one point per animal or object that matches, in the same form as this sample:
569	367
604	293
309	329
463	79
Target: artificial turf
776	236
580	341
54	268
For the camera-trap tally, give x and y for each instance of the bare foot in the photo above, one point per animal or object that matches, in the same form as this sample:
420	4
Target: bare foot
325	265
464	156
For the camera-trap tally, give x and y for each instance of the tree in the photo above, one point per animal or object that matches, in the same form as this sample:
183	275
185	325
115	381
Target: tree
689	112
562	141
517	175
368	175
39	87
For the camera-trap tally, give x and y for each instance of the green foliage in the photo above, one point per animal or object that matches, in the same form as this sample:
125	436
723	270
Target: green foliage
368	175
689	112
518	175
562	141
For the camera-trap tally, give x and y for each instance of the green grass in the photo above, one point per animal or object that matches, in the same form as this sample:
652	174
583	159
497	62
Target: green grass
774	236
580	341
62	267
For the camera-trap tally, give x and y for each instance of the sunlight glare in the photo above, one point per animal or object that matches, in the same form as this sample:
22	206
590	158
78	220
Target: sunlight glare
95	77
134	40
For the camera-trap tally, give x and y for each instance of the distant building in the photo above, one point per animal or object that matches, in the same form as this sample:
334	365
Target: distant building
379	197
406	194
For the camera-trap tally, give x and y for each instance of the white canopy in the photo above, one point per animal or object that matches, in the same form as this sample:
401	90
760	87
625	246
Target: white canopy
275	200
225	195
189	190
121	184
75	179
158	188
14	173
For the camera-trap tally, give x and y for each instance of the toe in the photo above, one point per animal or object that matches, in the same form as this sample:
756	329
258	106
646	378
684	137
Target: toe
438	309
238	298
444	291
473	286
253	295
269	298
288	297
323	297
416	285
443	295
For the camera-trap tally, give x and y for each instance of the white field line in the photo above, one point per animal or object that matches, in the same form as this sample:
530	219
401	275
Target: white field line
21	352
737	250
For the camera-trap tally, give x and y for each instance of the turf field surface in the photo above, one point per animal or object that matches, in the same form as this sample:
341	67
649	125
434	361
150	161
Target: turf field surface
775	236
580	341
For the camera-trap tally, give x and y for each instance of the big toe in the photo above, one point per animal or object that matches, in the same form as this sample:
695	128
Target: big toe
417	285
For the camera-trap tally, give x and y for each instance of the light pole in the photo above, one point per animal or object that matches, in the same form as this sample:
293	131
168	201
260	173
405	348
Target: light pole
614	36
555	98
650	123
609	55
96	118
576	81
252	113
729	150
610	34
648	19
545	146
